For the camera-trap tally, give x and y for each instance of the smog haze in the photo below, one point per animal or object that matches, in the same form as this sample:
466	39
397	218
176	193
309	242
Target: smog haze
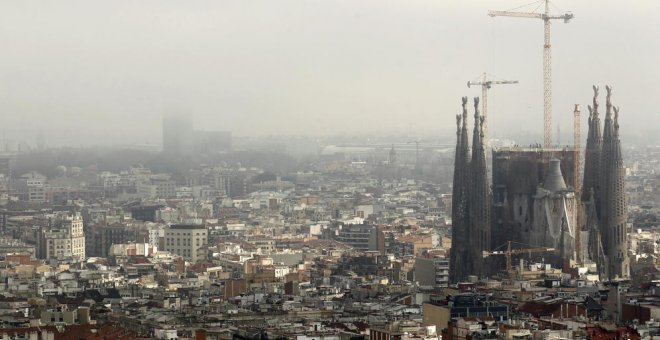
105	72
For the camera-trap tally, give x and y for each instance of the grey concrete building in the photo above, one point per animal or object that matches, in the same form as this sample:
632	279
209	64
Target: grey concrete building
187	240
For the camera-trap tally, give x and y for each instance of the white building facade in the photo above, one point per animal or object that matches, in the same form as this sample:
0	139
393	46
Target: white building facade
66	239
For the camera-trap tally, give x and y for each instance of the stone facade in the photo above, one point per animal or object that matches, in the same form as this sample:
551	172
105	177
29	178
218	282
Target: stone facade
471	208
604	197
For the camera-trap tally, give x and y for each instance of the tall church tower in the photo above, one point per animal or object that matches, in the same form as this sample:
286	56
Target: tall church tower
604	193
592	153
459	269
479	198
613	211
591	189
471	201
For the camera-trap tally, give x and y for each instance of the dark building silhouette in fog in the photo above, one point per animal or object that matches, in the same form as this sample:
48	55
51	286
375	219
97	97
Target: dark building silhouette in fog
459	215
471	208
179	137
177	134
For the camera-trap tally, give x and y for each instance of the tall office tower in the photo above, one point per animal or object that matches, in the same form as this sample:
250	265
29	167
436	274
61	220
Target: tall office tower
179	137
613	211
177	134
458	265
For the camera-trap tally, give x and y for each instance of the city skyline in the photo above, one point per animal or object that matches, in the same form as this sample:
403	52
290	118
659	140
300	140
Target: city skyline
305	170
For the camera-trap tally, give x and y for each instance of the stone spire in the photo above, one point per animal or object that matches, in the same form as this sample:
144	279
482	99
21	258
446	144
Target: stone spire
458	265
592	154
613	208
465	138
479	198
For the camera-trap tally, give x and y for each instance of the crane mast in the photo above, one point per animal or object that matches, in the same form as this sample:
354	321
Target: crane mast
547	81
547	61
485	85
576	175
576	148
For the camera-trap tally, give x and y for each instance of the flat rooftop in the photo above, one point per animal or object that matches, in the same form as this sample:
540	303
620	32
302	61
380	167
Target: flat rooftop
187	226
533	148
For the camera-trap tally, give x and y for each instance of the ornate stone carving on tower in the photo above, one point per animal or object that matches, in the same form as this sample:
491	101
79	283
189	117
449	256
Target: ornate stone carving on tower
604	194
479	198
458	255
592	153
458	265
595	241
613	207
471	202
591	188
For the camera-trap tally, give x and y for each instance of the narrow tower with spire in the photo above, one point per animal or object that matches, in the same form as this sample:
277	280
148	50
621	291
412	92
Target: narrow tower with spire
613	211
471	201
592	153
479	198
459	270
604	194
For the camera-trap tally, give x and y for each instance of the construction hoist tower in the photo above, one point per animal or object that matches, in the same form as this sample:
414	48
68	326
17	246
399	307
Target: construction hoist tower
547	61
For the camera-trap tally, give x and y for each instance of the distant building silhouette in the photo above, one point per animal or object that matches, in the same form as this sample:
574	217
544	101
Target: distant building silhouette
177	134
179	137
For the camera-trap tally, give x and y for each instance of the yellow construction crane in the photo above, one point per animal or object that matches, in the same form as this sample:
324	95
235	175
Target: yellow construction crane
509	251
485	85
547	60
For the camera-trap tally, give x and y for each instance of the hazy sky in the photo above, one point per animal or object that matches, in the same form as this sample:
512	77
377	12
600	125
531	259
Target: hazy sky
108	70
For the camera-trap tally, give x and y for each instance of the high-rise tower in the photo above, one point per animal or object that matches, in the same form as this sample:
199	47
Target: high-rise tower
177	134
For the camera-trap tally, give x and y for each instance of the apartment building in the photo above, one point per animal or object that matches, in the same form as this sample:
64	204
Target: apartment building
187	240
